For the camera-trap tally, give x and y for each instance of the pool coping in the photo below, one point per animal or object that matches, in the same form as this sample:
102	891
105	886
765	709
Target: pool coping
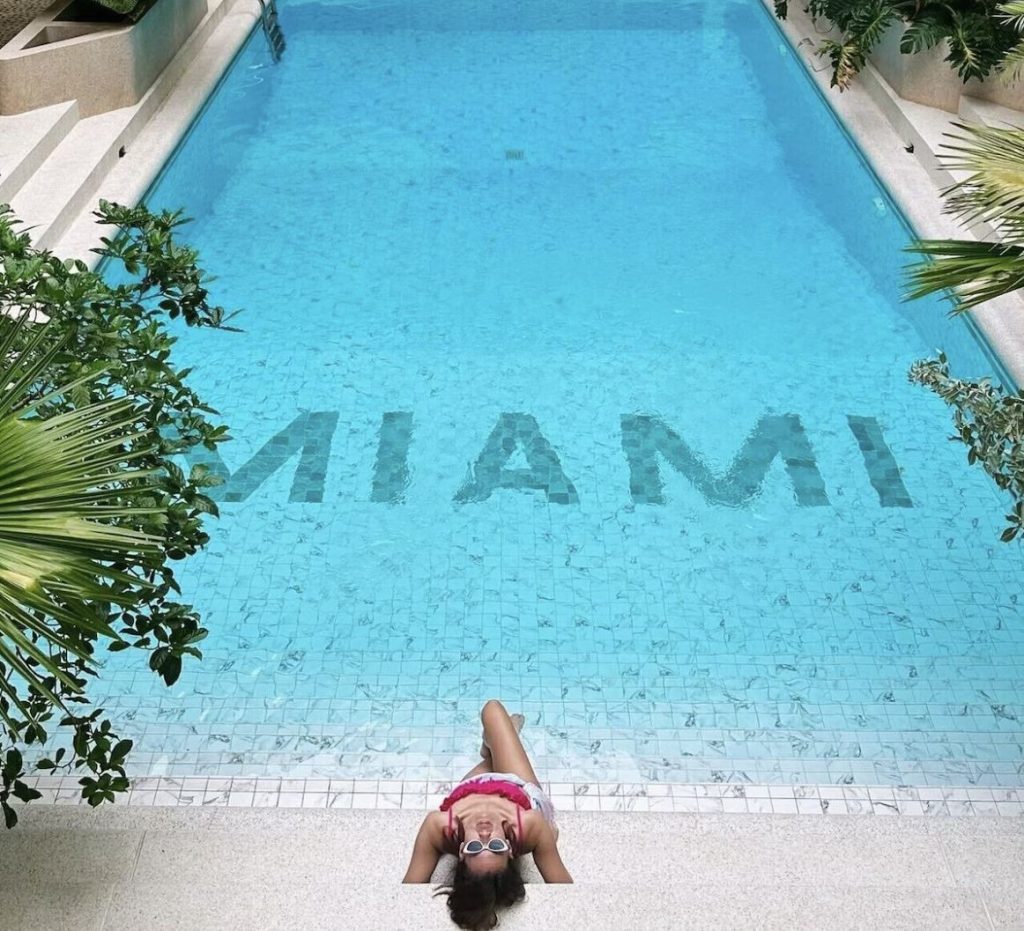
172	869
154	143
913	182
898	139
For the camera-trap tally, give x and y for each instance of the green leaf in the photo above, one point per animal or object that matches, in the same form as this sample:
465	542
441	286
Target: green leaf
923	33
978	271
24	793
120	751
13	764
92	509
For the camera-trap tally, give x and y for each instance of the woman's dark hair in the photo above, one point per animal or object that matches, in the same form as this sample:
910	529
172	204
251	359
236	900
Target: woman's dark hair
473	901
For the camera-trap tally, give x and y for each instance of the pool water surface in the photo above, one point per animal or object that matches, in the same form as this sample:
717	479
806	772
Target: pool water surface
573	372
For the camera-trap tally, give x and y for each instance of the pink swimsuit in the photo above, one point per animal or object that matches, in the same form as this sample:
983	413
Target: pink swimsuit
507	790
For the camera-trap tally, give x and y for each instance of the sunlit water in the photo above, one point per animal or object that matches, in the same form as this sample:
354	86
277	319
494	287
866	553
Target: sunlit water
573	372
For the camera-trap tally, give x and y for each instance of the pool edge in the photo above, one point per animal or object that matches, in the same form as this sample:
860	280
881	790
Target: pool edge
914	186
816	800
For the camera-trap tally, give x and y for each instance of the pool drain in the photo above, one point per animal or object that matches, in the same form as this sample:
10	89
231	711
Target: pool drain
515	155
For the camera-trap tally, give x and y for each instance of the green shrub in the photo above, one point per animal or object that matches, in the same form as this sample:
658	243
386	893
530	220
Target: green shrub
978	34
107	344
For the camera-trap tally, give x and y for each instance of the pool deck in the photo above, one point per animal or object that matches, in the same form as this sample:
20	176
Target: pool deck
223	868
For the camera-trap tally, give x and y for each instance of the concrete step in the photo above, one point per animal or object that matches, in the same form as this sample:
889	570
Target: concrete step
27	139
66	181
218	38
976	110
66	184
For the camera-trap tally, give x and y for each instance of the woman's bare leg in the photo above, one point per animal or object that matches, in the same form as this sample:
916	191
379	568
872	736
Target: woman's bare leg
507	752
486	765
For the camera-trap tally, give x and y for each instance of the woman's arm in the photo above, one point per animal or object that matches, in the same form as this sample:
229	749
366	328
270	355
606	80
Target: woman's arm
548	859
425	852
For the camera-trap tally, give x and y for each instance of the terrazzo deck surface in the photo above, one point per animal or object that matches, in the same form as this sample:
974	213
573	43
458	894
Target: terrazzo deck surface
163	869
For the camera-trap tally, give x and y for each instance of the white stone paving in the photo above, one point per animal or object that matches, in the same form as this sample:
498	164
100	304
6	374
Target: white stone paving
225	868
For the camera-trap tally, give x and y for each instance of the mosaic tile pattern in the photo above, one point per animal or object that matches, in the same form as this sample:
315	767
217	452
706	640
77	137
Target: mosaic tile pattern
618	431
517	432
880	463
646	438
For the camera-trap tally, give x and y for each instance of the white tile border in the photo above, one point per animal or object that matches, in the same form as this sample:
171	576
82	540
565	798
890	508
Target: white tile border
702	798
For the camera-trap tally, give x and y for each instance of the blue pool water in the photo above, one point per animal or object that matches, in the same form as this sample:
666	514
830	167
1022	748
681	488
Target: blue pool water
573	372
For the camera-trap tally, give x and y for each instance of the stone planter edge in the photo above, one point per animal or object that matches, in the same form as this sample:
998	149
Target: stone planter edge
105	67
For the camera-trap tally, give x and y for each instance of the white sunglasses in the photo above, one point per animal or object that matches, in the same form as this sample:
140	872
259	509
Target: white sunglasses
494	845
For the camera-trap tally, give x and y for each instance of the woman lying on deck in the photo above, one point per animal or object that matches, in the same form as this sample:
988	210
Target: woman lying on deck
496	814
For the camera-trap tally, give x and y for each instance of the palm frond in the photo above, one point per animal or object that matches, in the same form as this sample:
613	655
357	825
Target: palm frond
993	192
1012	67
71	494
976	271
1012	14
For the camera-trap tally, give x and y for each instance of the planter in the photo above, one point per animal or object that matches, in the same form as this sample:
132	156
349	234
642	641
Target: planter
997	90
923	77
103	65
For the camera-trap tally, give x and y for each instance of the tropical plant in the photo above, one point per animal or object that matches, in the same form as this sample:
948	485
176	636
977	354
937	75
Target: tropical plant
990	423
1013	63
975	271
978	37
989	419
132	10
110	354
70	501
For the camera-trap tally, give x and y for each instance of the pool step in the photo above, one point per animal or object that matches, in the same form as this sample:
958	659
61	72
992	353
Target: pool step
26	141
67	181
156	134
976	110
66	186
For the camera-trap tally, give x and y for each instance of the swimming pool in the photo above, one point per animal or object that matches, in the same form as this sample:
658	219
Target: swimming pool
573	372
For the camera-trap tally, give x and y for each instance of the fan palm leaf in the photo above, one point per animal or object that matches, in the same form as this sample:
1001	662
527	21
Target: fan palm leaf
71	493
992	193
1013	63
977	271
